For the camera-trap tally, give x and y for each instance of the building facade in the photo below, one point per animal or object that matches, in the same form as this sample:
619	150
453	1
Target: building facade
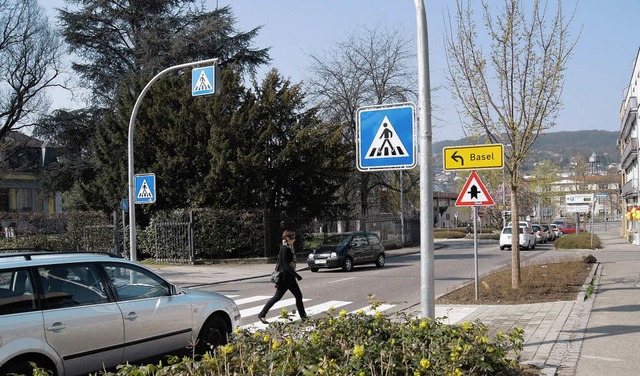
22	163
628	146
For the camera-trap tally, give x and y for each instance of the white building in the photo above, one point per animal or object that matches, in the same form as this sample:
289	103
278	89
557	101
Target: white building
628	144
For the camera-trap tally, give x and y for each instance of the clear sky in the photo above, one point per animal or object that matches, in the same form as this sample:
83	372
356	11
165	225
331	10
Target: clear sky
595	79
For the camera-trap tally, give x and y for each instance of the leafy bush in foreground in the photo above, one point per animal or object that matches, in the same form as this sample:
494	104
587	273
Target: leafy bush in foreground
355	344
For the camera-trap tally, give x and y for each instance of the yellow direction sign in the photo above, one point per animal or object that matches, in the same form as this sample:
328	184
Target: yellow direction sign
473	157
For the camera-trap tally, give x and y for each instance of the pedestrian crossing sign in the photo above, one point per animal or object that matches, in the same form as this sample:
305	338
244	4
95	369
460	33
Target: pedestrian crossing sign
145	189
386	137
205	80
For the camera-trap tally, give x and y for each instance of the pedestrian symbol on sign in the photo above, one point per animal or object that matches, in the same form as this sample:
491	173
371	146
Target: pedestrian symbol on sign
145	192
145	185
203	83
386	143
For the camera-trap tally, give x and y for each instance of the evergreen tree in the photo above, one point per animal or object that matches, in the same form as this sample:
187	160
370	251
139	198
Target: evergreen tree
121	46
272	153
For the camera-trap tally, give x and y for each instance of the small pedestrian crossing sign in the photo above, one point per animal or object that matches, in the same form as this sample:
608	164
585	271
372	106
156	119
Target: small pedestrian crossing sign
385	137
145	189
205	80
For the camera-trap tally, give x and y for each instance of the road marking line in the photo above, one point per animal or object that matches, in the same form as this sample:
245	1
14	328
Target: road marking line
252	299
342	280
603	358
313	310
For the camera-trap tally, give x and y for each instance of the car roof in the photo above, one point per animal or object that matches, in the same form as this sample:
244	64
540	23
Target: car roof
14	258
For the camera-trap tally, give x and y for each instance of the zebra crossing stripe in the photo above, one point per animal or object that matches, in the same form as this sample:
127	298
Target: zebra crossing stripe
312	310
369	311
282	303
251	299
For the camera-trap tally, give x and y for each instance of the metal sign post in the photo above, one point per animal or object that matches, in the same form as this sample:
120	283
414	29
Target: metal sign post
132	120
474	194
427	274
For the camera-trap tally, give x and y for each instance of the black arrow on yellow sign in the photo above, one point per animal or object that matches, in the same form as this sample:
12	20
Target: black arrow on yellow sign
457	158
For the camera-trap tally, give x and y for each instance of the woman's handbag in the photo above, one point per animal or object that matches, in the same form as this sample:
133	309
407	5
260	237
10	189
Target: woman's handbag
276	276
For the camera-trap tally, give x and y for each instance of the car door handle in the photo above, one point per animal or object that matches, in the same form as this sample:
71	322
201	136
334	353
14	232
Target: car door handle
131	316
56	327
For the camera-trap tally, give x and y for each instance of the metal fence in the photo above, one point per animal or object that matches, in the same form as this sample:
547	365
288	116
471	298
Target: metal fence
173	240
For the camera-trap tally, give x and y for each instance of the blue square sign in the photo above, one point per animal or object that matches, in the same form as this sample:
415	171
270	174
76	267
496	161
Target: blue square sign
205	80
386	137
145	189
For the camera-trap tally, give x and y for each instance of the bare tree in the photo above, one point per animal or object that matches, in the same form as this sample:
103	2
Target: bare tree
511	91
371	67
30	60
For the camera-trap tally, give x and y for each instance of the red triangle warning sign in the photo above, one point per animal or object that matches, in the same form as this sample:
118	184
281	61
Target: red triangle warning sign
474	193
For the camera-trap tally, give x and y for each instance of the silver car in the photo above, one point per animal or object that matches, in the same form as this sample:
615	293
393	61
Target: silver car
75	313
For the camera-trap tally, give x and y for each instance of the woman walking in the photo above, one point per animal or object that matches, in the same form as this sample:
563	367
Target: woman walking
289	278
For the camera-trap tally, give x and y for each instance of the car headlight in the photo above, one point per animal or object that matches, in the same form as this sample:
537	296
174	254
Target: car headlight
310	257
334	255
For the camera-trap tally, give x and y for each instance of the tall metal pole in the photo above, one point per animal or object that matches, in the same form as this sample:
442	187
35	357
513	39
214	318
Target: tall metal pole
426	181
475	248
402	207
132	188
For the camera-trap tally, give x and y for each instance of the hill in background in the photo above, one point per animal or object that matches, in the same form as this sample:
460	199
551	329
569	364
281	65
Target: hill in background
560	147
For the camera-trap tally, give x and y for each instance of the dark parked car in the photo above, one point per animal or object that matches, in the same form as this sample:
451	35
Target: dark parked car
346	250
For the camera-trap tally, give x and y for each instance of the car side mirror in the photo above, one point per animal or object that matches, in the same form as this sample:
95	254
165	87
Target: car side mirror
173	289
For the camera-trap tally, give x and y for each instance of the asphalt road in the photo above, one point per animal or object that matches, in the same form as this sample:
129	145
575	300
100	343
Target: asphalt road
397	284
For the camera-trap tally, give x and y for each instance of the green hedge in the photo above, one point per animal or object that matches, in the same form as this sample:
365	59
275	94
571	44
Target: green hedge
59	231
354	344
577	241
217	233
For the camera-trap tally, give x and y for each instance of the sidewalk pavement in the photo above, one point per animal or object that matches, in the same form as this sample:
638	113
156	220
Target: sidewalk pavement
596	335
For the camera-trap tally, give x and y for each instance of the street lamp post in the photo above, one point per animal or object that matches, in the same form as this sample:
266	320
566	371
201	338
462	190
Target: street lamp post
427	278
132	194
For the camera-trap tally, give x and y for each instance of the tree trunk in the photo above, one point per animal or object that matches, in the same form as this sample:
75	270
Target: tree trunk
515	237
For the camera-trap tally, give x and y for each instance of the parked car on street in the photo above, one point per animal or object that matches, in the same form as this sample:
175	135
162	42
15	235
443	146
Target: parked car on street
541	236
546	228
556	230
526	238
345	250
570	228
77	313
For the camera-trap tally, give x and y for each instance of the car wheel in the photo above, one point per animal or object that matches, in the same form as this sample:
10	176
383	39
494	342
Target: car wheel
213	334
380	260
347	264
315	270
21	366
502	247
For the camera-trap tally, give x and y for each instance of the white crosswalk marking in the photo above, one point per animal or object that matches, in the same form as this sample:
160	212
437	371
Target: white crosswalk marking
251	299
282	303
312	310
369	311
255	304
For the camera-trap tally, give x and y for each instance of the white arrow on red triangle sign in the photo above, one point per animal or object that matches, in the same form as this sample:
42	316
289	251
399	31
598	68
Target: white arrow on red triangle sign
474	193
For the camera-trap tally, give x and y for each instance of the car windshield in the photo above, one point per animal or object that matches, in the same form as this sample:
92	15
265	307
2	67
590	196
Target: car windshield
335	240
506	230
